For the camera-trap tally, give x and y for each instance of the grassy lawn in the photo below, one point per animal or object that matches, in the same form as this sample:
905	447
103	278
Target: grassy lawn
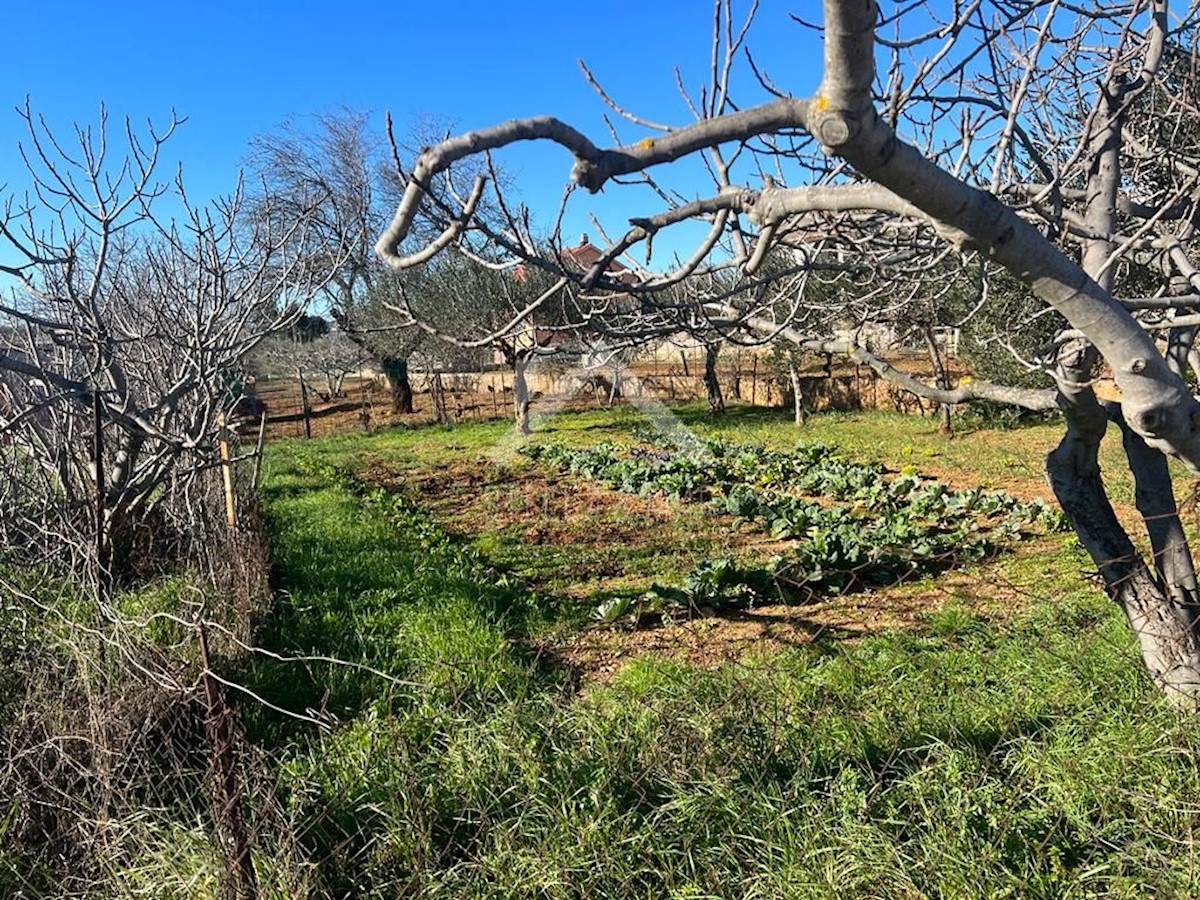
986	732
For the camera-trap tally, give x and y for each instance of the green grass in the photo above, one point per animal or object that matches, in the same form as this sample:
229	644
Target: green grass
972	757
357	585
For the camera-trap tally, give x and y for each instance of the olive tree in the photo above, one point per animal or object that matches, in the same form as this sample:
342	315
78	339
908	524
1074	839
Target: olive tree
460	306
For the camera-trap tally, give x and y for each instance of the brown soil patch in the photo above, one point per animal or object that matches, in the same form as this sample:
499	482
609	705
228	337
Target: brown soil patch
708	641
599	527
603	526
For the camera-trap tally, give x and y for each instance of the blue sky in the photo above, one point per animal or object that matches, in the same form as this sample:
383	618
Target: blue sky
238	69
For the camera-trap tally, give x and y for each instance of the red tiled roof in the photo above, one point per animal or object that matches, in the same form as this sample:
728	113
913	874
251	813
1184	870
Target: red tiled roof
582	258
587	254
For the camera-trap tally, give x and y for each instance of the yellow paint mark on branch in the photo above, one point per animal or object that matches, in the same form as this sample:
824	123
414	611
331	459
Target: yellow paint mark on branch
820	103
646	143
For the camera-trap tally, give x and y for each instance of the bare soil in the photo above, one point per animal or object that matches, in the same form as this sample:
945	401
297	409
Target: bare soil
570	537
711	640
608	542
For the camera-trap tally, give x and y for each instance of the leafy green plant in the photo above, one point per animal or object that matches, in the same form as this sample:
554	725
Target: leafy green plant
712	586
854	526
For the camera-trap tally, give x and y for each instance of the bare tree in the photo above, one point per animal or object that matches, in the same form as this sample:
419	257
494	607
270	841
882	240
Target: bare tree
322	362
121	354
965	144
332	357
124	341
334	167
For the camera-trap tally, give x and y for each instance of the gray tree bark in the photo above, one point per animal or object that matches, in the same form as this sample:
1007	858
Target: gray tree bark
521	398
712	384
1161	607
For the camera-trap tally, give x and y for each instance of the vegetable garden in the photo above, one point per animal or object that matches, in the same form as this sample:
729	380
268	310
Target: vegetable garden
854	527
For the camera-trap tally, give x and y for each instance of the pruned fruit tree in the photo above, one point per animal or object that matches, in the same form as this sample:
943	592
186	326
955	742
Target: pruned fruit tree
950	153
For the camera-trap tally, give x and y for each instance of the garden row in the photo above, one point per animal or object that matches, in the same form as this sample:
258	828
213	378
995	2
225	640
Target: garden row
855	525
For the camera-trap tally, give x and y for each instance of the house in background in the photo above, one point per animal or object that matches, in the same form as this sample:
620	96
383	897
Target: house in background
584	257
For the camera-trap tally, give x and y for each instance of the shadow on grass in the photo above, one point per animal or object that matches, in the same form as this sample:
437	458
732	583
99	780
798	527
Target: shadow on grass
372	613
735	415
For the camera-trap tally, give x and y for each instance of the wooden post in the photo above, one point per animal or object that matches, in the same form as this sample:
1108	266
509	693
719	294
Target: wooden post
754	383
258	450
227	471
103	565
305	409
232	834
437	391
364	411
941	379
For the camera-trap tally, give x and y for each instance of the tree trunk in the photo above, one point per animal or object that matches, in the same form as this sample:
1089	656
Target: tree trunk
716	401
941	379
396	370
1181	344
305	408
104	543
614	391
233	833
520	396
1168	646
1161	610
1154	496
797	395
1162	624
